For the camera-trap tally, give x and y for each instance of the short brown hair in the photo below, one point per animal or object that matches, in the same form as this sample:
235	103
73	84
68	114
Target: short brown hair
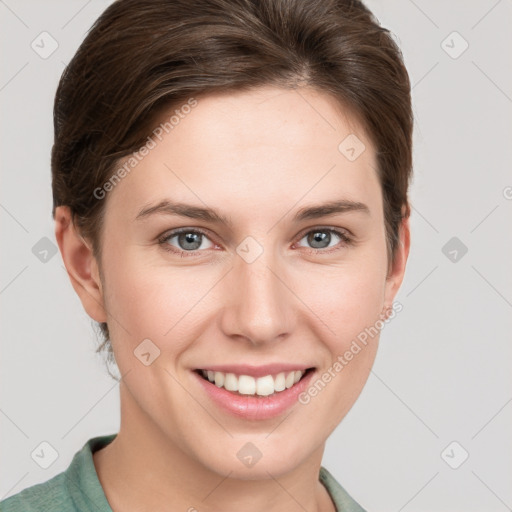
143	56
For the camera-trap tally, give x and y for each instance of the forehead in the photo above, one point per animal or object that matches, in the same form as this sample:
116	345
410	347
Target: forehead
254	149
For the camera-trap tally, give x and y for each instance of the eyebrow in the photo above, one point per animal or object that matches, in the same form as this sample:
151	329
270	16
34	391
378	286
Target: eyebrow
330	208
167	207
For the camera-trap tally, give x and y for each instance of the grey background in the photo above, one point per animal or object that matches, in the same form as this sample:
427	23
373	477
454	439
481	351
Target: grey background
443	369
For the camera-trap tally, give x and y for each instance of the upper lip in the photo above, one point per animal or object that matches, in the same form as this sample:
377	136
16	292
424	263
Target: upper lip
256	371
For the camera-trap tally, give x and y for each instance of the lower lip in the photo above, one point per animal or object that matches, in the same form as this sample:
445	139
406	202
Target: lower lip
253	407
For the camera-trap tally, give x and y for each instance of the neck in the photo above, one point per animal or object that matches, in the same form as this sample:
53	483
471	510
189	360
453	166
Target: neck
143	469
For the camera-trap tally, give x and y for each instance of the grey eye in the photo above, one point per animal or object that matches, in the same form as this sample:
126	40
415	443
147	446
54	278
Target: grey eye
321	238
189	241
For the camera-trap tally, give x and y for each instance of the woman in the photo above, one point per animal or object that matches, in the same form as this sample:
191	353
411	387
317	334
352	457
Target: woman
230	200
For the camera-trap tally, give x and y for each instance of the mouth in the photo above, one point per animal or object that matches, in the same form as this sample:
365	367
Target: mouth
253	386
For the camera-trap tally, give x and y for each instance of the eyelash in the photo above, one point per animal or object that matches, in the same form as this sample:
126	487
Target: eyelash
346	241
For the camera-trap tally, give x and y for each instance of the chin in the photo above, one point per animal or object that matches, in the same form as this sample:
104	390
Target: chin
254	460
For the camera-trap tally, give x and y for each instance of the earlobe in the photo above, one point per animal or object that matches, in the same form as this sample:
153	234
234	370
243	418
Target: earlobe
80	264
397	268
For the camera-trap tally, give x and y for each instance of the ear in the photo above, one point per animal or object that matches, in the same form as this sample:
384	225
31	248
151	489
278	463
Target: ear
80	264
396	269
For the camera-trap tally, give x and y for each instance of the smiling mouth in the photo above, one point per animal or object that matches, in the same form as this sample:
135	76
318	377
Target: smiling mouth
247	385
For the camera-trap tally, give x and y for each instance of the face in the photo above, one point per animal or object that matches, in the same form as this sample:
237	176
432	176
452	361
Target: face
268	278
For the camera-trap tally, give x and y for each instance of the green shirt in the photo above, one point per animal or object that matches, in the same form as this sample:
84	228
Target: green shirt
78	489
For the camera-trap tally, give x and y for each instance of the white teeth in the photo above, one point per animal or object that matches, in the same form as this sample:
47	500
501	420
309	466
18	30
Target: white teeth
265	385
231	382
290	379
279	382
219	379
248	385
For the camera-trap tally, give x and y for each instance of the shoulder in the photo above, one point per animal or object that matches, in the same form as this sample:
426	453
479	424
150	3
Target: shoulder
48	496
75	489
340	497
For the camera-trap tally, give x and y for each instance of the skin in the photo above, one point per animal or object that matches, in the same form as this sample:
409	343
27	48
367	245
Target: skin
256	157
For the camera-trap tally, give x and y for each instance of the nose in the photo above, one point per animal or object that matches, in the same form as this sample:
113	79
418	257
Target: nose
258	305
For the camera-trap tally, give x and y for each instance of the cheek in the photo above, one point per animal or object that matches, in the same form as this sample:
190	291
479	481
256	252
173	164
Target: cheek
348	305
346	300
155	301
